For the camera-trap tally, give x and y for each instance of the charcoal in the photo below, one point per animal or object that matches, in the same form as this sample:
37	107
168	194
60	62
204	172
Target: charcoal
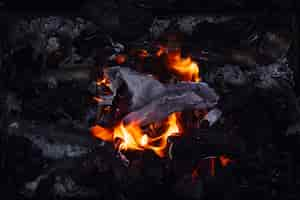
46	42
91	176
275	45
175	6
188	188
116	16
293	128
274	81
22	156
76	73
54	142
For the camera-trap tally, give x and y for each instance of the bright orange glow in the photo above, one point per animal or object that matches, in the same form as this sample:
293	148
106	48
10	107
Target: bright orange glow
143	53
225	161
187	69
120	58
133	138
103	133
104	82
144	140
160	51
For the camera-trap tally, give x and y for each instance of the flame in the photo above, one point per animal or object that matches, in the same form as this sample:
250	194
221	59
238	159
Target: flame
103	133
160	51
144	140
103	82
143	53
187	69
133	138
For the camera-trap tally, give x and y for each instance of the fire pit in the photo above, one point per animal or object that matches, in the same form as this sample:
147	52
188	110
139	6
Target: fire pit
146	100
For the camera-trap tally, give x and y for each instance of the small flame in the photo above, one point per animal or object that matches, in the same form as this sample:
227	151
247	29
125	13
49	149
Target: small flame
103	82
120	59
187	69
133	138
160	51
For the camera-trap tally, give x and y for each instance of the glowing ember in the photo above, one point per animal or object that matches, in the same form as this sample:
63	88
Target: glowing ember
120	58
160	51
133	138
225	161
103	82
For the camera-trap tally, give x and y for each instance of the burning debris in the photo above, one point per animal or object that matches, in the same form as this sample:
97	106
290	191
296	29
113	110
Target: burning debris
151	101
198	108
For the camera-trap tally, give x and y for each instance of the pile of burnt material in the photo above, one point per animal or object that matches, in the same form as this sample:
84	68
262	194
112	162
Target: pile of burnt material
184	106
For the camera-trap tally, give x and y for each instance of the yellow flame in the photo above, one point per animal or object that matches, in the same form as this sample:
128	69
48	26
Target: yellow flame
133	138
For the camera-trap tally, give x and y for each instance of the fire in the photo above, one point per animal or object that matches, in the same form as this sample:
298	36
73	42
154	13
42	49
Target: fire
160	51
144	140
103	133
143	53
104	82
133	137
187	69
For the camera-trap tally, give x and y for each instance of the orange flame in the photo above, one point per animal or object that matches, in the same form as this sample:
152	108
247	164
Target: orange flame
133	138
103	133
187	69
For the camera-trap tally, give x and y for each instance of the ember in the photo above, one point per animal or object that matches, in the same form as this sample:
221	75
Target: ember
103	82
